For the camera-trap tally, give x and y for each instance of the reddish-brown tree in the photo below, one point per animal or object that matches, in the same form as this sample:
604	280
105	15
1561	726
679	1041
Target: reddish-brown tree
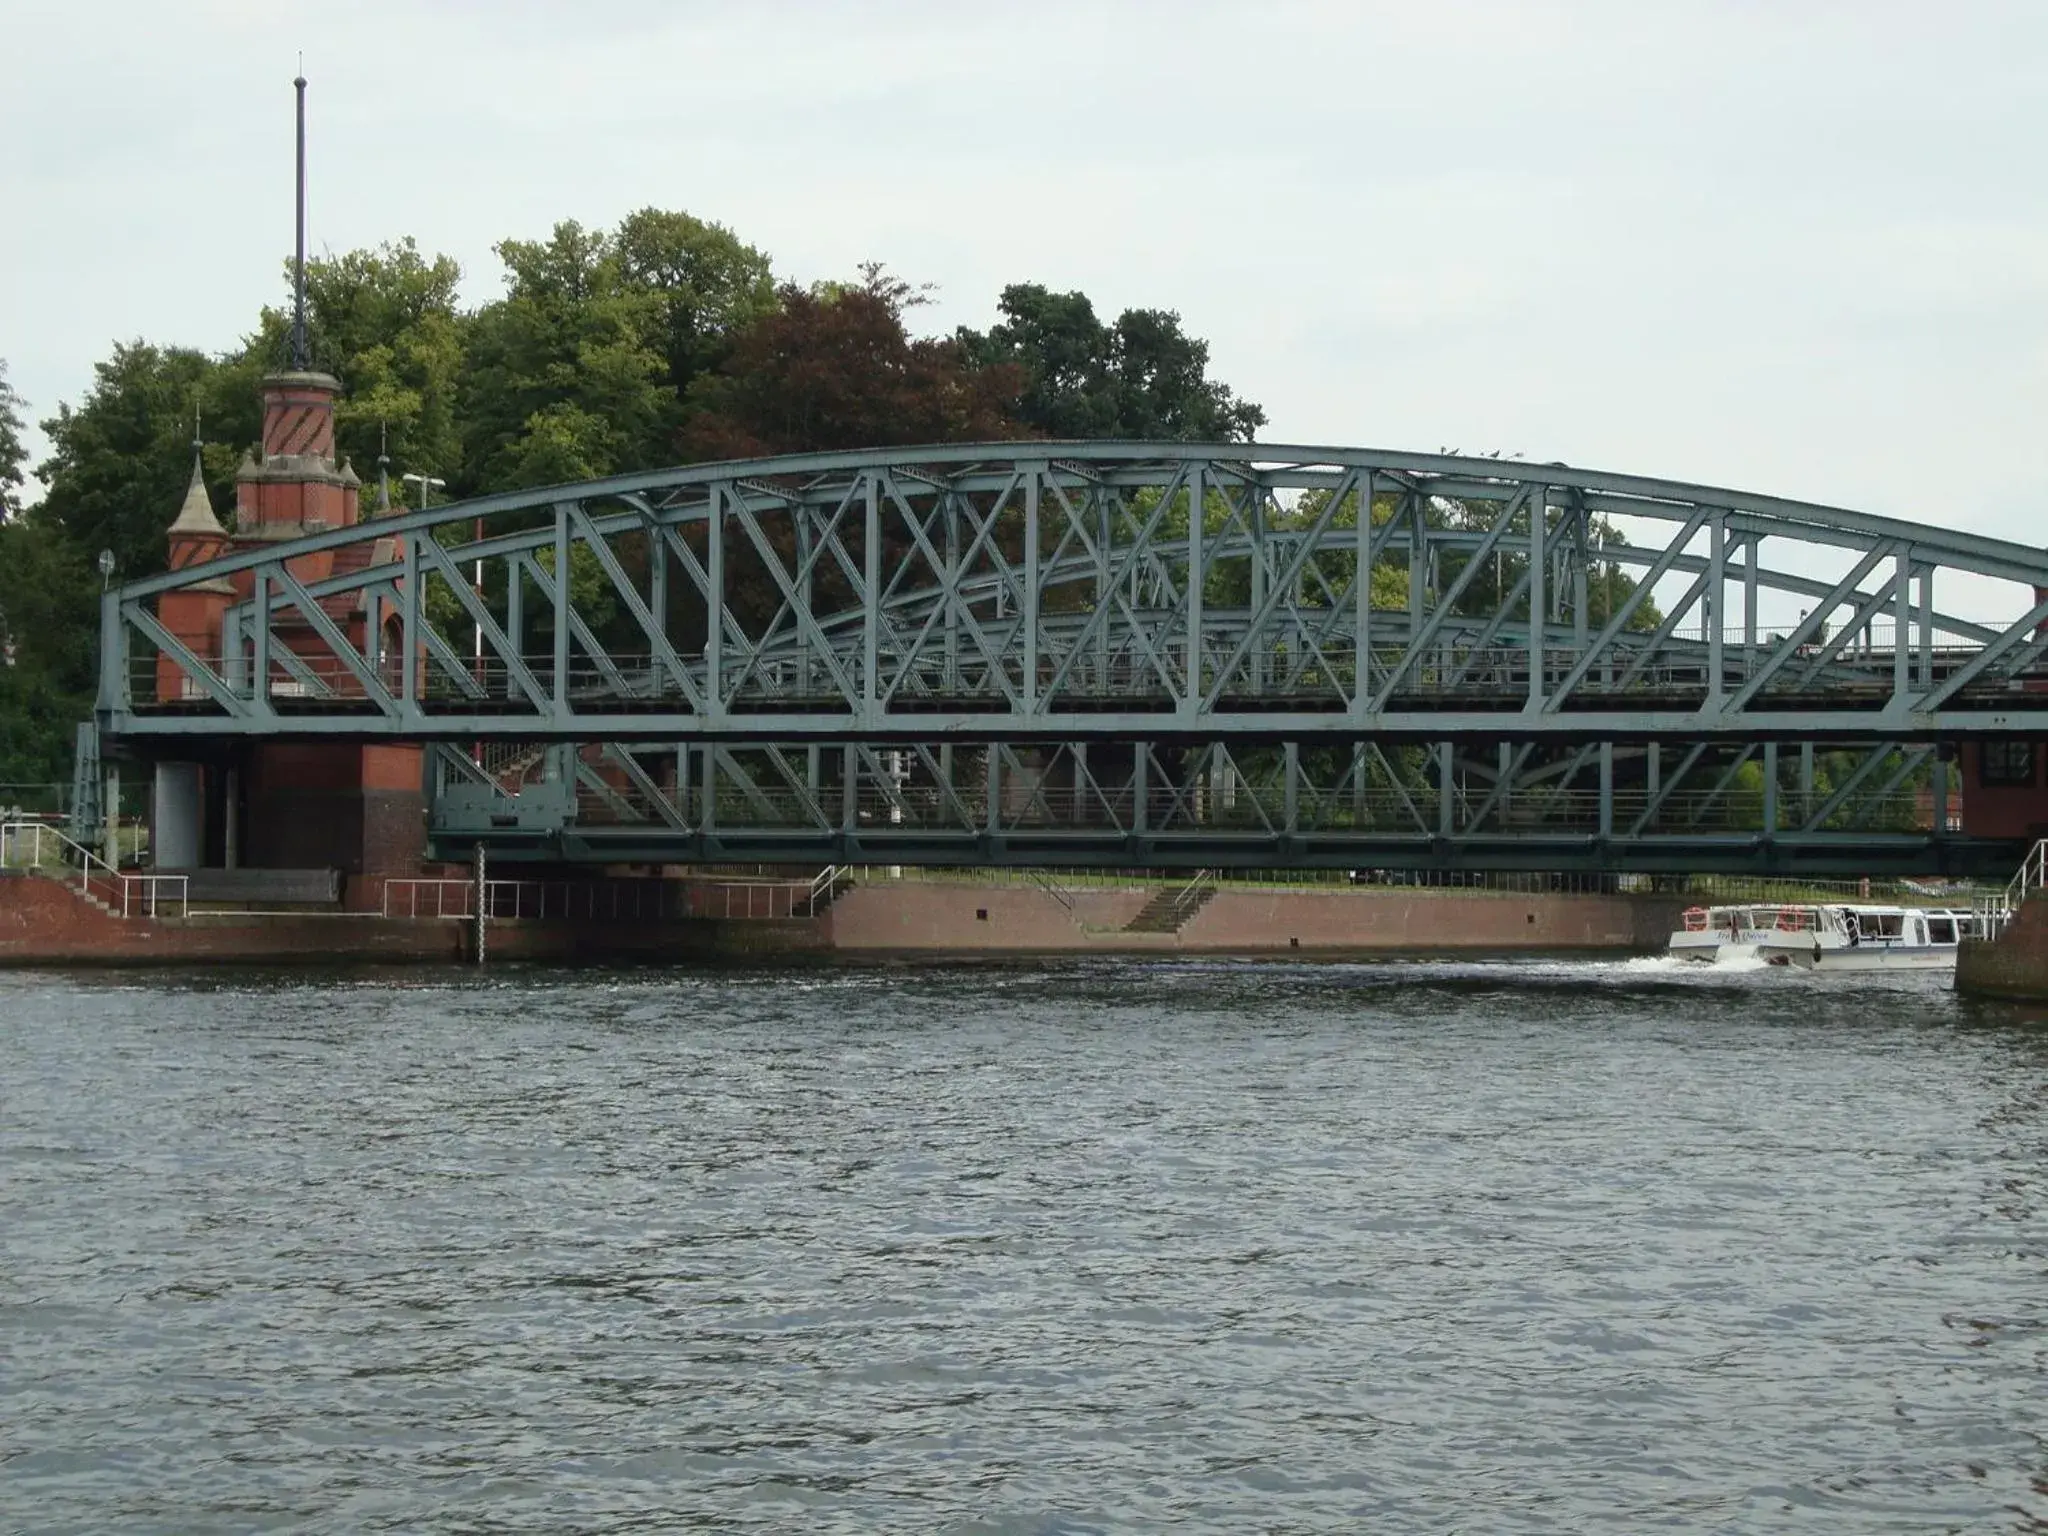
836	368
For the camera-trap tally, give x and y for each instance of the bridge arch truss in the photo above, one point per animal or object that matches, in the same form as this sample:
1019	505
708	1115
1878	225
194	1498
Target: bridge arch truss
1442	638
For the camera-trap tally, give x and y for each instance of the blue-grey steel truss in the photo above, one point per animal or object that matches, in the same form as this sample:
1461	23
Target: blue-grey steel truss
816	644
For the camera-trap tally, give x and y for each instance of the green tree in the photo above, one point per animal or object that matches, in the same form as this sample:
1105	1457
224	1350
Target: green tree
707	285
46	648
13	454
119	460
1143	377
571	332
562	443
584	364
1609	584
115	477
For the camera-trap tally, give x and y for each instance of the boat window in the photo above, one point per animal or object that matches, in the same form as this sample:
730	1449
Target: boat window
1941	930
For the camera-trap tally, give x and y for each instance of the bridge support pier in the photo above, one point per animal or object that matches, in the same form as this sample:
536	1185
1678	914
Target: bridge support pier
110	822
358	810
177	834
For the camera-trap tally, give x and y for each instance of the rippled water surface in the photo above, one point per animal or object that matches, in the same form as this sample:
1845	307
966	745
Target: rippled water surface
1524	1247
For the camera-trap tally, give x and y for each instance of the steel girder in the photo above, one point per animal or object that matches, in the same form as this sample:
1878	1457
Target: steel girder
1063	592
1771	807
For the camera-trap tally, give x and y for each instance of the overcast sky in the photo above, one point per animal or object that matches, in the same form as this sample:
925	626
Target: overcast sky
1797	247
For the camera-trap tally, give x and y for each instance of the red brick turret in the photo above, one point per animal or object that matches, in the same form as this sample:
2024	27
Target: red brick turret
358	809
297	488
193	613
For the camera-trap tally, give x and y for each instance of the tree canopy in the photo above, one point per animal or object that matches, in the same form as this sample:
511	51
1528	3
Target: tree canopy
835	367
13	453
663	340
1142	377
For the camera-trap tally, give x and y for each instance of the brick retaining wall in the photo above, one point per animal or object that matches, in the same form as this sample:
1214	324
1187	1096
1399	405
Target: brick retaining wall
919	918
43	922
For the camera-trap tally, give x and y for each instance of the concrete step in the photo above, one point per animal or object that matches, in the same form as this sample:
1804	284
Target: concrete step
68	878
1169	910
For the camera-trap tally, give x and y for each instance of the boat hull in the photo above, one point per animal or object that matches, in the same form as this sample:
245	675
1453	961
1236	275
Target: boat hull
1720	951
1861	957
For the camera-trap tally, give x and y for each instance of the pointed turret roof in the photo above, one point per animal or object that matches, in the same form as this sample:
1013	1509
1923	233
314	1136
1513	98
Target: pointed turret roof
195	517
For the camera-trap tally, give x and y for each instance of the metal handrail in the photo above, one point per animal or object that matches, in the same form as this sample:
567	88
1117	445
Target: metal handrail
1186	895
2032	875
1051	887
1994	911
825	884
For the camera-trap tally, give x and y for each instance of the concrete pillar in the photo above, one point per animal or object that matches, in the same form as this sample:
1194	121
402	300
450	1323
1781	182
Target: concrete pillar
178	816
110	818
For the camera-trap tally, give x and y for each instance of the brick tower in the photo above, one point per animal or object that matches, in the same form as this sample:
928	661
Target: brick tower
359	810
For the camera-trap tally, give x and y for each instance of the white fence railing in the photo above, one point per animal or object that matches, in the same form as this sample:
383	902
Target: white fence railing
611	900
41	847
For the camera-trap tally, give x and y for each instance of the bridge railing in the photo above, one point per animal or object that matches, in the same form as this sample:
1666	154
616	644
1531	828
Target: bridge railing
1065	883
1253	807
1286	667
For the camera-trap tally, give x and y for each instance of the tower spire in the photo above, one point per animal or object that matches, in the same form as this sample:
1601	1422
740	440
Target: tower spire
301	360
383	472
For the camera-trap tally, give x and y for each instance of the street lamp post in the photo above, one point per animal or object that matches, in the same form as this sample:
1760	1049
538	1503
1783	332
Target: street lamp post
101	776
428	484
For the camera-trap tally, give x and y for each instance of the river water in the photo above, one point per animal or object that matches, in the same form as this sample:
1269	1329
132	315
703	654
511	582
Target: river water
1507	1247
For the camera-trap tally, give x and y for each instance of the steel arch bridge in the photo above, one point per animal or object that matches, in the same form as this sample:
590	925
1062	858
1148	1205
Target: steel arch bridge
1151	653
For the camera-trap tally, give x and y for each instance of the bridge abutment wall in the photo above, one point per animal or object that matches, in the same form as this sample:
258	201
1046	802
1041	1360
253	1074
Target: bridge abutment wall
2013	965
359	810
45	922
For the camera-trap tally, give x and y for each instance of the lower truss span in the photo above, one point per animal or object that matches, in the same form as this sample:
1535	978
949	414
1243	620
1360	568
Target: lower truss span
1823	810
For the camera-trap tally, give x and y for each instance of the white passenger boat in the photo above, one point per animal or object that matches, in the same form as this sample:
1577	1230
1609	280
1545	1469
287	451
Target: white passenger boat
1723	934
1865	938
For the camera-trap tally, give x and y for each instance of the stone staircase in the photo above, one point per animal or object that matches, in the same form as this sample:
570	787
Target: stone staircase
1169	910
